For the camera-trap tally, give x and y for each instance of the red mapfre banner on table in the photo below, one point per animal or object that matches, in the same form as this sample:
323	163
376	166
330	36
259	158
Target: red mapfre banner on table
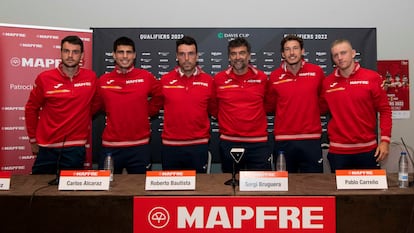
25	51
235	214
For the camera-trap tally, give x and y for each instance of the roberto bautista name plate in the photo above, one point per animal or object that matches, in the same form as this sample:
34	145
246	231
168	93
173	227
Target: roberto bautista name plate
361	179
263	181
170	180
84	180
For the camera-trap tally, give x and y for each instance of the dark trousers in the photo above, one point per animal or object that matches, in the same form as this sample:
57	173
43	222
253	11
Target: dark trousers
49	160
192	157
256	156
364	160
135	159
301	155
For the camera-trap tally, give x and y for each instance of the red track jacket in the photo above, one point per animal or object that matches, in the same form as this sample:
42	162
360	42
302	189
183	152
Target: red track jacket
354	103
58	112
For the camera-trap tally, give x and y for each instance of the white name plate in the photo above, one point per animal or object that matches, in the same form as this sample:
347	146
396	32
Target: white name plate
263	181
361	179
84	180
170	180
5	180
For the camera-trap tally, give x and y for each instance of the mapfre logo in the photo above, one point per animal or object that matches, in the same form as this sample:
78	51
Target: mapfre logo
238	217
158	217
234	214
34	62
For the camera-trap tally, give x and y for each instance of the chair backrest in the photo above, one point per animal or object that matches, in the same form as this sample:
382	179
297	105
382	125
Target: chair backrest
391	162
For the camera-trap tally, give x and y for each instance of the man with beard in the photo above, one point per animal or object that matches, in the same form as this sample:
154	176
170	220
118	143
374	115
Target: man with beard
355	98
188	100
128	96
293	95
58	112
241	113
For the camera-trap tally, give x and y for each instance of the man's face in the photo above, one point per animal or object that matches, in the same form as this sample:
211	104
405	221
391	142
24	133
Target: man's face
124	56
343	55
239	58
292	53
187	58
71	54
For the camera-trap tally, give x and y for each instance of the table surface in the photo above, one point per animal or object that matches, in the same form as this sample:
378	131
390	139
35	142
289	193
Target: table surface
206	185
33	202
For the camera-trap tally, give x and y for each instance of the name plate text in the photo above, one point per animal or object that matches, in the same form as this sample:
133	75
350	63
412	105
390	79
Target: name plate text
361	179
170	180
263	181
84	180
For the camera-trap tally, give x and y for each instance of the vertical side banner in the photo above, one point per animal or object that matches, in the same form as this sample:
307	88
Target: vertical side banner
397	84
25	51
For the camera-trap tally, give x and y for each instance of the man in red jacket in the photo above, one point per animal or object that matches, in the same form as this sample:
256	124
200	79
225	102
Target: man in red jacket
58	112
293	95
188	100
128	96
354	96
241	115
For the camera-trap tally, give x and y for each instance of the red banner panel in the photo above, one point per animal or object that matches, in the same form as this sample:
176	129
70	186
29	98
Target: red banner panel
235	214
25	51
396	82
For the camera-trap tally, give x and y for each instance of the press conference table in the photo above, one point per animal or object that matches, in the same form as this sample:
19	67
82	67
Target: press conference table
32	206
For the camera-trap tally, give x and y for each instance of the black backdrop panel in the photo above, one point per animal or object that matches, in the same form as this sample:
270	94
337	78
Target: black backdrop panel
156	53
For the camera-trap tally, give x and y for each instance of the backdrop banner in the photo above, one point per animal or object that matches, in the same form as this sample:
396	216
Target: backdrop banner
25	51
397	84
155	49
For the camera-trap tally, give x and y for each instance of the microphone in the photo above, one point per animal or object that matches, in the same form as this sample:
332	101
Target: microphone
410	158
55	181
237	155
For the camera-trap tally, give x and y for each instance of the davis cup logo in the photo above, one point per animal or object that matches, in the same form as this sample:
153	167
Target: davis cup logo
158	217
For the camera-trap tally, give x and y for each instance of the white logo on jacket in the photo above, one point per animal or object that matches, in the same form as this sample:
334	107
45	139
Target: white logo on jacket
307	74
200	84
254	81
85	84
140	80
359	83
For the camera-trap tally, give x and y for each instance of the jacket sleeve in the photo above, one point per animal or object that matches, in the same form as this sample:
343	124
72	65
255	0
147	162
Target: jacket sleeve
323	104
97	102
157	100
212	104
383	107
270	98
32	109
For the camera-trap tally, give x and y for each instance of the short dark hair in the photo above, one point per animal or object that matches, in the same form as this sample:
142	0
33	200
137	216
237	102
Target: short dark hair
123	40
289	38
187	40
238	42
72	40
